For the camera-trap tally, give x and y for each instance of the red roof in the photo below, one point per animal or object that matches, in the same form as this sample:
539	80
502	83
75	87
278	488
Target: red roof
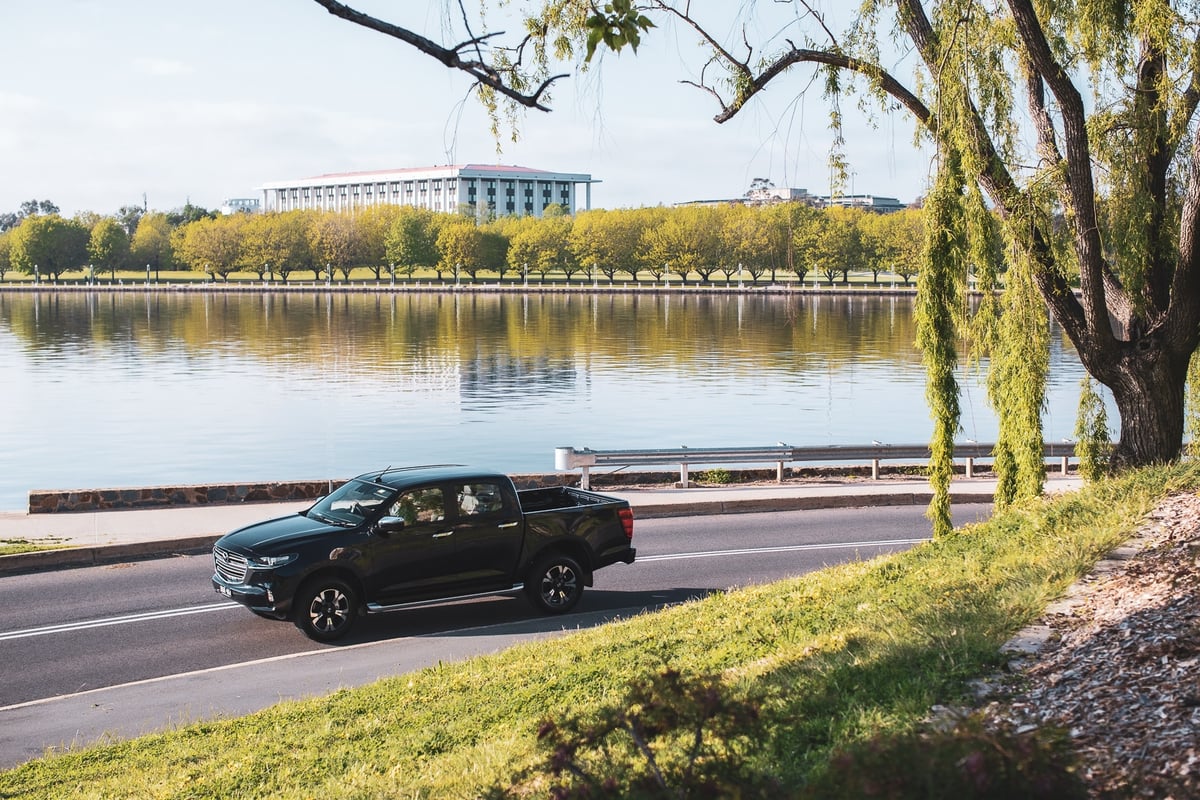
461	167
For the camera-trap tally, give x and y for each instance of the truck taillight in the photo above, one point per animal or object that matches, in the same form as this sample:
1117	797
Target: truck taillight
626	515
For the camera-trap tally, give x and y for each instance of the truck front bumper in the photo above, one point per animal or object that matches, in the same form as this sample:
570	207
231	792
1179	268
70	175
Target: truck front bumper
255	597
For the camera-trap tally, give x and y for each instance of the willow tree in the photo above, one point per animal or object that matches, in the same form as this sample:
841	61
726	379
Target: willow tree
1071	123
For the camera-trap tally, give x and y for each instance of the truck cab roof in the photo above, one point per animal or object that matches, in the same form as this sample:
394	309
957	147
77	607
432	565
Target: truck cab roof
403	477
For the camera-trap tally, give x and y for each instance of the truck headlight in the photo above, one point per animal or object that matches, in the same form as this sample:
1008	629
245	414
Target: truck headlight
270	562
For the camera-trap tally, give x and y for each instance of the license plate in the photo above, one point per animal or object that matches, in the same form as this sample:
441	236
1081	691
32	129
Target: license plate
225	591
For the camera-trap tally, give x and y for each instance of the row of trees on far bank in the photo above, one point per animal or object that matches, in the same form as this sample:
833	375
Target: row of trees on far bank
698	243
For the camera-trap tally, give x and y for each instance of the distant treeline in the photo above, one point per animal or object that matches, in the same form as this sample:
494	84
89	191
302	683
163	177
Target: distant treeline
695	243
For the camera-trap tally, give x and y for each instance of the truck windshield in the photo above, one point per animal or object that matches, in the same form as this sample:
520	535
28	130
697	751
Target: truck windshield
351	503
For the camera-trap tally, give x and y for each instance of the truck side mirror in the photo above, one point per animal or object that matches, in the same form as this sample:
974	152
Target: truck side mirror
387	525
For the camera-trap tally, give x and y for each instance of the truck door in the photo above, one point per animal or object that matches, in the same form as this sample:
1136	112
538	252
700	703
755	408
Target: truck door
418	559
488	532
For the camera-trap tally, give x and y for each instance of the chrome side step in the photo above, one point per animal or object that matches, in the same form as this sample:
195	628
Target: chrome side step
375	608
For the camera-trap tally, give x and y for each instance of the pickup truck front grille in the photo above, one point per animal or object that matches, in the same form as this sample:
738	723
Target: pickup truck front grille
229	566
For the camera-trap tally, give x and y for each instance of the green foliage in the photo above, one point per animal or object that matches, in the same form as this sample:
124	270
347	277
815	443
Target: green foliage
607	241
617	24
151	242
670	737
733	242
703	242
1192	402
189	213
277	244
967	762
1092	443
108	245
1020	354
411	241
49	245
336	241
10	547
717	476
5	253
939	292
461	247
213	245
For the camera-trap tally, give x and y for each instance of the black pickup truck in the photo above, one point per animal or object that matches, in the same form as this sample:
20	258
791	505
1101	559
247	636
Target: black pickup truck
400	538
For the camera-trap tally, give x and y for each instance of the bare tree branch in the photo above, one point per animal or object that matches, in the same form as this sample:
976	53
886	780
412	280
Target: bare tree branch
482	72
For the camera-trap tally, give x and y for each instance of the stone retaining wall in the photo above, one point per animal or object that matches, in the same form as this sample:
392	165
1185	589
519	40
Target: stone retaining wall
68	500
53	501
50	501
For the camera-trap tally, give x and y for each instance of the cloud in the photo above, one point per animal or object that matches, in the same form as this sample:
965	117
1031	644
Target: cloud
162	67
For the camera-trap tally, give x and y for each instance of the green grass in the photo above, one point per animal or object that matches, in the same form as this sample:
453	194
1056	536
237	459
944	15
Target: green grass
11	547
831	658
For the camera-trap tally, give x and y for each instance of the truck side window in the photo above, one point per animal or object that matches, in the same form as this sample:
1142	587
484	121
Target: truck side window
479	498
420	505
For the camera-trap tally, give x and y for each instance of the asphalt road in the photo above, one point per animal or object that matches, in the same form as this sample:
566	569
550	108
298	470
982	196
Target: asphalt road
133	648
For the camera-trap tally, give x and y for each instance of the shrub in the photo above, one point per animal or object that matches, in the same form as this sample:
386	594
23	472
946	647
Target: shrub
968	762
672	737
720	476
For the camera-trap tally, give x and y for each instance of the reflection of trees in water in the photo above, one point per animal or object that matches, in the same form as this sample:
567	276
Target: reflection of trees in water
488	339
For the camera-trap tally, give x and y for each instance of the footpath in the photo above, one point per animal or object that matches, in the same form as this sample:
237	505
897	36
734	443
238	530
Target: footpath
86	538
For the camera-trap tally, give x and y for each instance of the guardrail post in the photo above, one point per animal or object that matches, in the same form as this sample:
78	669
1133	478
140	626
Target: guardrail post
970	467
684	482
585	481
875	469
1064	465
779	472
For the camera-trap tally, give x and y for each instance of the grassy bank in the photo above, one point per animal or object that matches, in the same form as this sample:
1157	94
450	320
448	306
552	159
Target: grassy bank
829	658
10	547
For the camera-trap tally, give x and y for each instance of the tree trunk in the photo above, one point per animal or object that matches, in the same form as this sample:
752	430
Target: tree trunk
1147	383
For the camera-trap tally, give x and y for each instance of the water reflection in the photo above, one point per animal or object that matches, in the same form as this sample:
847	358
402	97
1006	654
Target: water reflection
131	389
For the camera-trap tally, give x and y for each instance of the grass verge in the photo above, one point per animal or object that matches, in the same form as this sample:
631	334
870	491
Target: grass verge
831	658
12	547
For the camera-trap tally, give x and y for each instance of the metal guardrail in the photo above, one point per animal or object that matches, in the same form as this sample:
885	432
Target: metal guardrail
568	458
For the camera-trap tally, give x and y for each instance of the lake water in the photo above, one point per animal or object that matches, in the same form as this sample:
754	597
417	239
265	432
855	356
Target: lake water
149	388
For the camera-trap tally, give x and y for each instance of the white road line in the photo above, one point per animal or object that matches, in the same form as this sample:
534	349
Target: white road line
81	625
101	623
783	549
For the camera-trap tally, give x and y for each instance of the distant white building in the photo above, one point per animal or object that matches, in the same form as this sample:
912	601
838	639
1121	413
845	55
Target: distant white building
767	195
867	202
761	195
235	205
488	189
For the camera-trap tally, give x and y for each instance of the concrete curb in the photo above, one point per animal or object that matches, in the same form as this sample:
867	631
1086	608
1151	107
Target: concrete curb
91	556
796	504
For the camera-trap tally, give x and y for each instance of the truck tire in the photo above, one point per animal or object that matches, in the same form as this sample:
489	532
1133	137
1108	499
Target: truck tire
555	583
325	608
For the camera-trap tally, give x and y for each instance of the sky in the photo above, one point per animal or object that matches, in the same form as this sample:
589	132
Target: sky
121	102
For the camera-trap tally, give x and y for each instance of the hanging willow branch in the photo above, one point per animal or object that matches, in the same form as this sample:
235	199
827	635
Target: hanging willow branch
938	294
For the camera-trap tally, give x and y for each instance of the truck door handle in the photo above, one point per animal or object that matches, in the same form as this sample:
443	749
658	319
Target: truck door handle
508	525
442	535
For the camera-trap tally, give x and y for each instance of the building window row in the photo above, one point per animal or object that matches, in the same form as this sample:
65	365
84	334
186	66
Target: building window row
441	194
